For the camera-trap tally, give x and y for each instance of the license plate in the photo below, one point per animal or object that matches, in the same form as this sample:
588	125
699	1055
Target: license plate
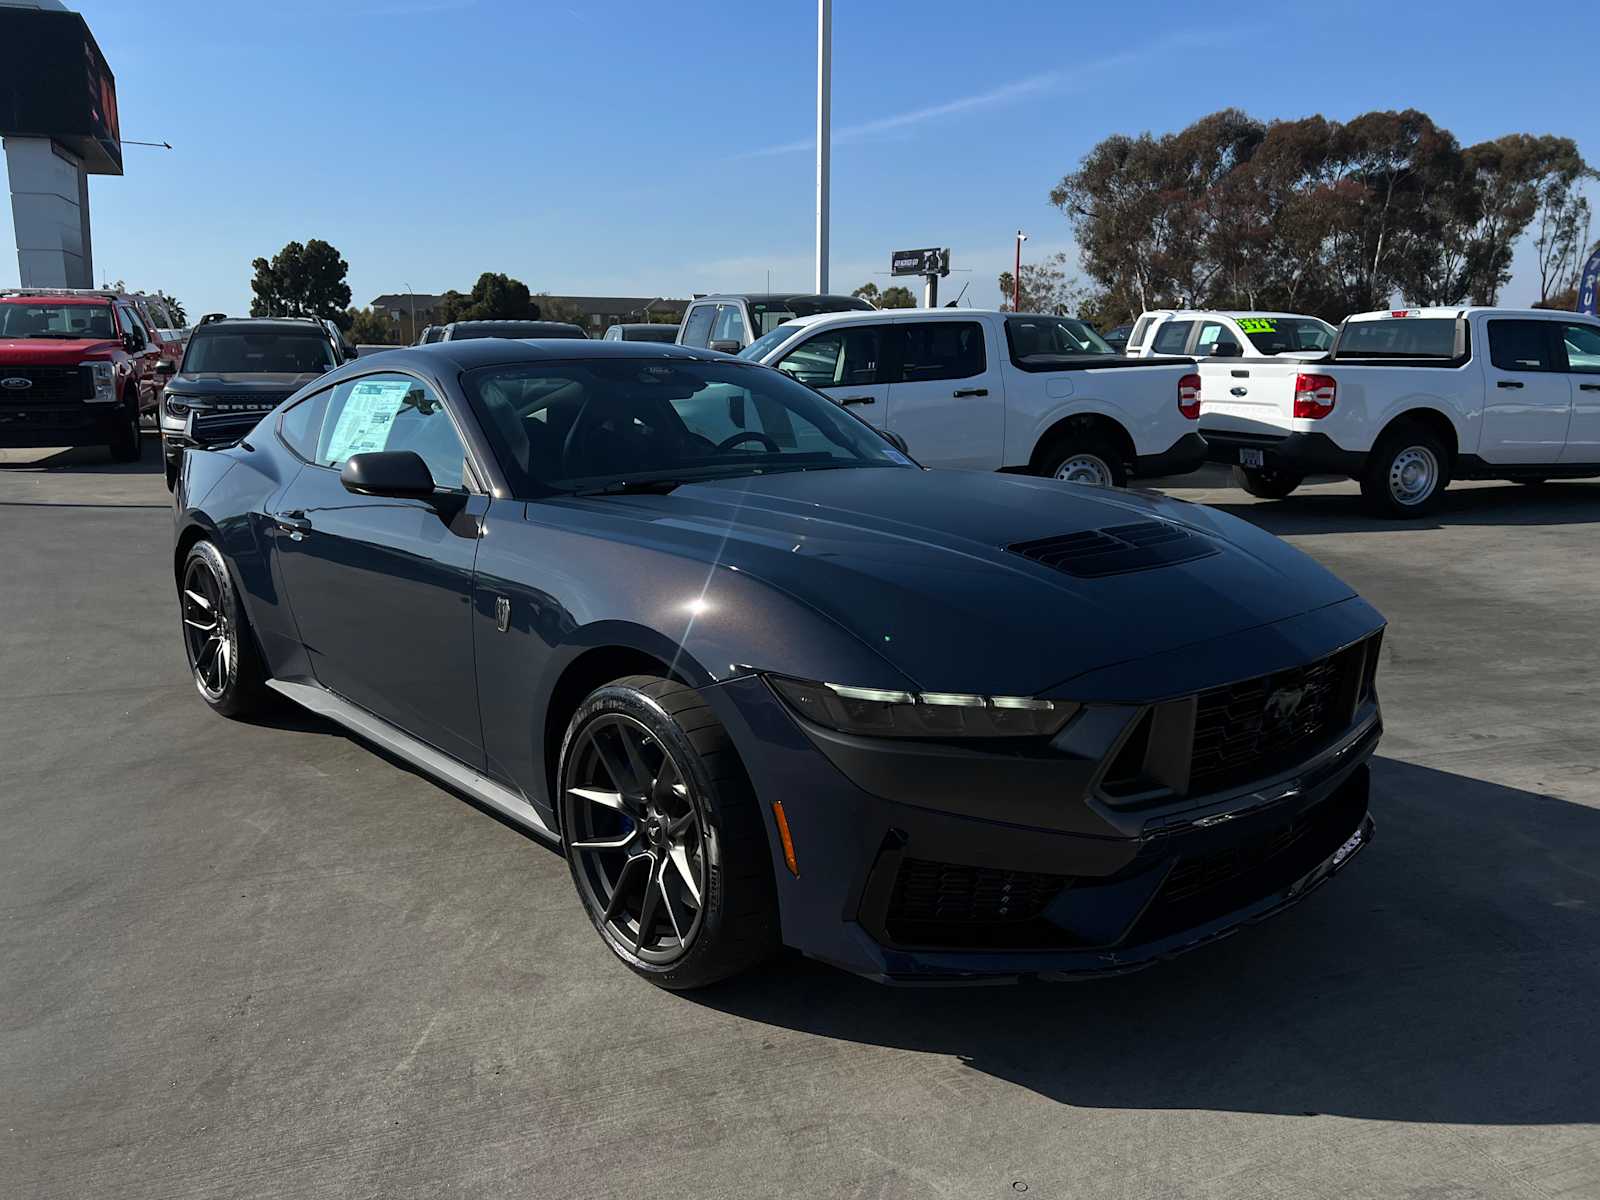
1251	458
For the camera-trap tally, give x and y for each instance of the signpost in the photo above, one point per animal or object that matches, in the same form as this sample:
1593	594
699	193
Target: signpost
1589	285
932	264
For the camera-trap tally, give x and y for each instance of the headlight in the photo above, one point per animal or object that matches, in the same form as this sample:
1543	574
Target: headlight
872	712
177	406
105	381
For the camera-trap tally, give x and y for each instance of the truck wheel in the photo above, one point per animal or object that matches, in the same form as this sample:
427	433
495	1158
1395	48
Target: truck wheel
125	445
1266	483
1084	458
1407	472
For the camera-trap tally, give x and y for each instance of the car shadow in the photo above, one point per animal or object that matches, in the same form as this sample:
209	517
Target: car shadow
1449	976
86	460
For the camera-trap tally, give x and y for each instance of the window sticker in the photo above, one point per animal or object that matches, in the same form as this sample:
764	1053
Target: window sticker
1258	325
364	424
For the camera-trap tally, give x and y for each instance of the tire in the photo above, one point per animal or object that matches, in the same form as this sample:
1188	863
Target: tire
648	829
1089	457
1406	473
169	469
125	444
1266	484
225	663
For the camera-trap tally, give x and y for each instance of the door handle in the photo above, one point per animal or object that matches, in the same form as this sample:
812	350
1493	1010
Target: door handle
1240	374
294	523
1238	391
1589	387
960	392
848	400
1509	383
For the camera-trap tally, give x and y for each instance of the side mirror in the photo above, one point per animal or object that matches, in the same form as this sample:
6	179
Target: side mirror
132	343
166	367
398	473
1226	350
895	440
351	352
726	345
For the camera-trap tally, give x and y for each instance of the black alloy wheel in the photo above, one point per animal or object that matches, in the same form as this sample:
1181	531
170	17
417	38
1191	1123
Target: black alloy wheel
663	838
216	640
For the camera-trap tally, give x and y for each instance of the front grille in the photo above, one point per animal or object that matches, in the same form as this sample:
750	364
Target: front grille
1116	549
1252	730
211	426
49	385
1193	876
950	904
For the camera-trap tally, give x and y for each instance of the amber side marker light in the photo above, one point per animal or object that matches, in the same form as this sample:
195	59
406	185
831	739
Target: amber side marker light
783	836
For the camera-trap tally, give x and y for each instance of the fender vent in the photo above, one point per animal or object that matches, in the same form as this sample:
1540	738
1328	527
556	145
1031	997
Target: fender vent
1116	549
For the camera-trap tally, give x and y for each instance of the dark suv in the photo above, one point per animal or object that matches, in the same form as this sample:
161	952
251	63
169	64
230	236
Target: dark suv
235	369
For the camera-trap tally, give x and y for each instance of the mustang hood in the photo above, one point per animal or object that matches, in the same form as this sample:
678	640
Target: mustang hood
916	565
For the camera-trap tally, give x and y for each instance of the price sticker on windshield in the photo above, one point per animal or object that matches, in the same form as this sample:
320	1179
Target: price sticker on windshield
1258	325
367	418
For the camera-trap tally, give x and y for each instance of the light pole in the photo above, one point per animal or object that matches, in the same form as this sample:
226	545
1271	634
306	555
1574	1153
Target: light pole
824	124
1016	275
413	307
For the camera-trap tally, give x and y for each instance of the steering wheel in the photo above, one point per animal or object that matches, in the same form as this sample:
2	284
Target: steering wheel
749	435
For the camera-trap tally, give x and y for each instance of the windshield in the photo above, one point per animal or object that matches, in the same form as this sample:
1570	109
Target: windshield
222	352
769	314
595	424
1399	337
56	321
1032	336
1277	335
757	349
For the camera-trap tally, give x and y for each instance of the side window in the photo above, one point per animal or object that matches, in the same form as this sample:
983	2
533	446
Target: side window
1213	334
1583	348
931	350
1520	345
838	358
300	427
391	412
1140	328
697	325
730	325
131	322
1172	337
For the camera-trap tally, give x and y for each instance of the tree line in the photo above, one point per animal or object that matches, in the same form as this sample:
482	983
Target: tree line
1322	216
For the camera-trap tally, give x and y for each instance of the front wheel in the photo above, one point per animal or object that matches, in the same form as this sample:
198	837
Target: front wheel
1265	483
663	835
217	641
125	445
1406	473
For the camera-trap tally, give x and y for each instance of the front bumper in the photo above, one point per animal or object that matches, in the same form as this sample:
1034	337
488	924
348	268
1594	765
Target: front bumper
1186	454
79	424
1292	453
936	879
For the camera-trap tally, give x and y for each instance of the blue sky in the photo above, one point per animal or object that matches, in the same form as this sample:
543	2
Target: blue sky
664	148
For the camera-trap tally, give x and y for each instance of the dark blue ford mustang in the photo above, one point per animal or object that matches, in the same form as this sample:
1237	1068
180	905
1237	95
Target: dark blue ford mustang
767	681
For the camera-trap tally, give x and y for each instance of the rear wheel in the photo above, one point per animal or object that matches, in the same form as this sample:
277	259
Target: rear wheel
1087	457
663	835
1407	472
125	442
1266	483
217	641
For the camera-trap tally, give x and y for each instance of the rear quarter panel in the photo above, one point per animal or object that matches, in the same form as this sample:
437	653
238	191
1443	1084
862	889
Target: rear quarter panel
1143	400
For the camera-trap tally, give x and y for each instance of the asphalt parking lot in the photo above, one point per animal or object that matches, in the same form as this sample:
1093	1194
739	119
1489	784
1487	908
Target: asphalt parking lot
261	960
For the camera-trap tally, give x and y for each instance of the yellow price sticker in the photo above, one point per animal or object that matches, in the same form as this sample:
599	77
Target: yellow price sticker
1258	325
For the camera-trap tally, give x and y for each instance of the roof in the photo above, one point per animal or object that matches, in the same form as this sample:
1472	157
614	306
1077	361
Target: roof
1451	313
482	352
264	325
903	314
47	298
1232	314
769	297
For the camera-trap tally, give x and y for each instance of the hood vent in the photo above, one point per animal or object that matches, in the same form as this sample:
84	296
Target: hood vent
1117	549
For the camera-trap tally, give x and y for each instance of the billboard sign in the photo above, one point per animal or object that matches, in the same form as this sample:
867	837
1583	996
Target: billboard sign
1589	285
919	262
54	83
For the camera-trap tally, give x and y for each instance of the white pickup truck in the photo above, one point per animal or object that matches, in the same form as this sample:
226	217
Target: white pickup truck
999	391
1193	333
1407	400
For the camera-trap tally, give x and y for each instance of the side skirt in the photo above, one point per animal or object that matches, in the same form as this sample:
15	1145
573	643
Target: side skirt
419	754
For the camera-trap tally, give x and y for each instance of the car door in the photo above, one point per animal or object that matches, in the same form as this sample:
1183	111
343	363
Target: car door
945	395
1171	338
1580	342
697	325
845	363
145	358
728	331
381	588
1527	403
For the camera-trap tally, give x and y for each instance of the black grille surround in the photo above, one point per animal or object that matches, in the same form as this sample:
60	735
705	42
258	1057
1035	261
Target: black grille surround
49	385
1117	549
1254	729
950	904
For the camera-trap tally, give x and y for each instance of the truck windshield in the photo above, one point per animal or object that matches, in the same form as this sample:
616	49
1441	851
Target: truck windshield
1278	335
1399	337
246	353
56	321
767	315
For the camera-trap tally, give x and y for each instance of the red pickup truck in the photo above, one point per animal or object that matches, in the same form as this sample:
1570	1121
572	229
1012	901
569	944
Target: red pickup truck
76	370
